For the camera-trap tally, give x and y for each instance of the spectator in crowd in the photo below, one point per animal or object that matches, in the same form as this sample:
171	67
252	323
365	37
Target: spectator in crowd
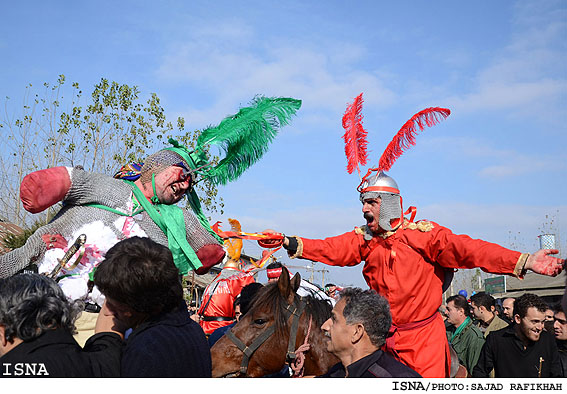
443	311
462	334
549	319
37	323
357	330
508	309
242	304
143	290
483	307
332	291
522	350
560	331
498	311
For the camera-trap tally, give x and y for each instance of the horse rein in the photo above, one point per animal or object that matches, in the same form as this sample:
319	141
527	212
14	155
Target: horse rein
295	310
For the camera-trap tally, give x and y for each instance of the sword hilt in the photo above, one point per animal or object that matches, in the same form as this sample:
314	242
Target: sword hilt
78	244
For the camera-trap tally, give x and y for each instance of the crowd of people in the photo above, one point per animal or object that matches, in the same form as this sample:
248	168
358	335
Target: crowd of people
145	329
526	340
126	298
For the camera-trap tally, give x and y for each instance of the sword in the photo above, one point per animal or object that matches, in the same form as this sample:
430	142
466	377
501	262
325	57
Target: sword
78	244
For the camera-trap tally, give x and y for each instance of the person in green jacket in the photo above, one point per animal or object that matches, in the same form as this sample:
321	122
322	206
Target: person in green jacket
462	334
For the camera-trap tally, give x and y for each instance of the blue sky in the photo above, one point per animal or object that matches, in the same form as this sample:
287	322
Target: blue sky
493	170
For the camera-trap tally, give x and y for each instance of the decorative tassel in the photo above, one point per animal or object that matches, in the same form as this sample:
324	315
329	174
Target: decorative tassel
245	136
355	136
406	136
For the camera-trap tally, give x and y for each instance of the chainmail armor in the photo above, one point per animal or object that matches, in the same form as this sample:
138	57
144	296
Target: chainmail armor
390	207
100	189
158	162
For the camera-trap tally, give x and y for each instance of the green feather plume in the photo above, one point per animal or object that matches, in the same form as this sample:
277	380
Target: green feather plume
245	136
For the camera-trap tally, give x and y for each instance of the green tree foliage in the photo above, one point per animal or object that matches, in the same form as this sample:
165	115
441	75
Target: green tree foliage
100	132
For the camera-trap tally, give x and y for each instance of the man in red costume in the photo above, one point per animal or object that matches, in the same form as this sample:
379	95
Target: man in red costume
217	307
406	262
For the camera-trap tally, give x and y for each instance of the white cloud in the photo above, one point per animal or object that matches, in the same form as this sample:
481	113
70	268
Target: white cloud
325	79
526	77
495	162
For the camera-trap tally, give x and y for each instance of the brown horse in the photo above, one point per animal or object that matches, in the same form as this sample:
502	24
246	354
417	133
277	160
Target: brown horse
263	340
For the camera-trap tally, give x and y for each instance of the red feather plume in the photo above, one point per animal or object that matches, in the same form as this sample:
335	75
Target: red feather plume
355	136
406	136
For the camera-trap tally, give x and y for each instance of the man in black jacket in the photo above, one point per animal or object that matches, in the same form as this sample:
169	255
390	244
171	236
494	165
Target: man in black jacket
560	331
37	323
143	291
357	329
523	350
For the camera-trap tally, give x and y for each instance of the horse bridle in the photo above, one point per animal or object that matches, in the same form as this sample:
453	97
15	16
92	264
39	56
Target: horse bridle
295	310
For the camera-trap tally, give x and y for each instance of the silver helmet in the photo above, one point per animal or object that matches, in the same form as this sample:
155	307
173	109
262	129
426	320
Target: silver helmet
385	187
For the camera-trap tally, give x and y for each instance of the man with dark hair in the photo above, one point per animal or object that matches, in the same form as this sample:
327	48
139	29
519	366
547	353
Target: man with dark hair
549	320
462	334
483	308
37	323
357	330
522	350
143	290
560	331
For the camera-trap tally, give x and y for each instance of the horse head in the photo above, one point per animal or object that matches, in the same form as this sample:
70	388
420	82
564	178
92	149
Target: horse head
259	344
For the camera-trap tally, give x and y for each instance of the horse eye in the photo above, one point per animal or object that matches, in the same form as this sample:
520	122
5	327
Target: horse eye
260	321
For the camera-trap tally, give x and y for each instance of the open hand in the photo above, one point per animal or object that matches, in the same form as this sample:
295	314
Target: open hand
541	263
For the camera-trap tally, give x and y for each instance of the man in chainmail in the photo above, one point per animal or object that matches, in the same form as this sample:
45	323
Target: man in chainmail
108	210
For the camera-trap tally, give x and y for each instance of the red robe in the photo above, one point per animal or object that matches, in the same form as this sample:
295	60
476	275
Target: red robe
222	297
406	267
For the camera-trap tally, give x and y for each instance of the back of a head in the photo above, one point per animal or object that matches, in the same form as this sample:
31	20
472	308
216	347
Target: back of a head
526	301
274	270
371	310
31	304
140	273
460	302
275	264
247	296
484	299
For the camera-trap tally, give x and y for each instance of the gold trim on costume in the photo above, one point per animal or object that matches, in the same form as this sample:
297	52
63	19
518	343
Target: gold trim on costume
299	251
519	270
423	225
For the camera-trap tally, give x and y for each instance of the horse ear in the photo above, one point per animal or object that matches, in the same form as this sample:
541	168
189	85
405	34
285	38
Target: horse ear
295	282
284	285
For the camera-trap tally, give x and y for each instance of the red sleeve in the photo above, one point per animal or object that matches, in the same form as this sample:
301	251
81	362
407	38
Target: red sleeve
42	189
450	250
342	250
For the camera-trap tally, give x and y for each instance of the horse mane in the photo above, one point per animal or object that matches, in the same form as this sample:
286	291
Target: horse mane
270	298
